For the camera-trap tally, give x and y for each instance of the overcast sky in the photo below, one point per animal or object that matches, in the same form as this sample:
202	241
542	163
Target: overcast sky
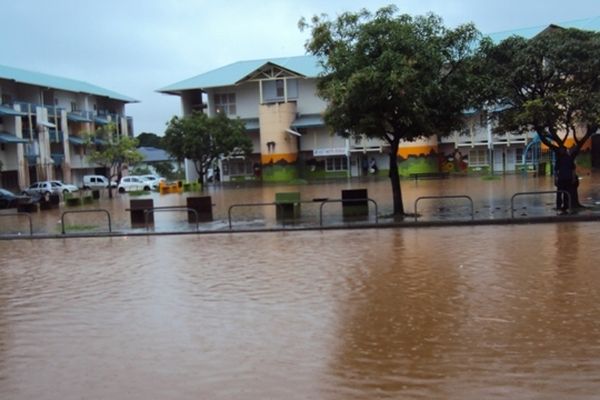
135	47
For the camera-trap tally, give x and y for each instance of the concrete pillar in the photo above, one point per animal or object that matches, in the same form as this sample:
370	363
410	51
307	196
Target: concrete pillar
45	161
22	172
276	143
66	165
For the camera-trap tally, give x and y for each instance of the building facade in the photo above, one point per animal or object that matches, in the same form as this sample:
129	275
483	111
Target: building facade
45	126
276	98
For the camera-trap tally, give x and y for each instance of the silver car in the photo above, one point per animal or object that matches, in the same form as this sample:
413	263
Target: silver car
44	188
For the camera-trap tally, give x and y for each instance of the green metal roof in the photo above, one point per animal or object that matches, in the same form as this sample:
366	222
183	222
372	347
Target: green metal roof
252	124
77	118
57	82
230	74
587	24
10	111
76	140
99	120
308	120
8	138
309	67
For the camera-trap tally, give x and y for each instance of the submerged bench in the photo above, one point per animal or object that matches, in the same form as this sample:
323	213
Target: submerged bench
288	205
355	203
429	175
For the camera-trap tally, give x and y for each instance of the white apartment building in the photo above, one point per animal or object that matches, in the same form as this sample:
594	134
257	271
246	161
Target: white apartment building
276	98
43	119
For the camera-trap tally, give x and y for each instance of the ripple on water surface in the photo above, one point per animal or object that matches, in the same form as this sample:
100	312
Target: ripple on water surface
460	313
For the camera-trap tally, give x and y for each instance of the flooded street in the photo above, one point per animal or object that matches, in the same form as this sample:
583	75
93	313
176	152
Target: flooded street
452	313
479	312
491	200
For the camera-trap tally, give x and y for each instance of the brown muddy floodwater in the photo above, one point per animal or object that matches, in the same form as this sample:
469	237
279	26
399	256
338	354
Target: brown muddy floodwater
491	199
480	312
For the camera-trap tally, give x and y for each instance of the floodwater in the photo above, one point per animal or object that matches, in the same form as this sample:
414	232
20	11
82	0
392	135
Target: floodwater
435	313
478	312
491	200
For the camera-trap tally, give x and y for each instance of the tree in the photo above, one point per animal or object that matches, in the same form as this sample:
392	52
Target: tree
166	169
203	139
393	77
549	84
147	139
114	152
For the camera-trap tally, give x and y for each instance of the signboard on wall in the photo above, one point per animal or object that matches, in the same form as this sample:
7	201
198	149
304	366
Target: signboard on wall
332	151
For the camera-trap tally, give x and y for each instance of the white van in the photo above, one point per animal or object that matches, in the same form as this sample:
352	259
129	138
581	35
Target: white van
95	182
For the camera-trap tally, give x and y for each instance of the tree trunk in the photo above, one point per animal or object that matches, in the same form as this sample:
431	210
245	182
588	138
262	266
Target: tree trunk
395	179
200	172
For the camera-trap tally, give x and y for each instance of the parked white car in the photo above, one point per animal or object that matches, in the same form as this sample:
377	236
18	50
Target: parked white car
61	187
134	183
155	179
95	182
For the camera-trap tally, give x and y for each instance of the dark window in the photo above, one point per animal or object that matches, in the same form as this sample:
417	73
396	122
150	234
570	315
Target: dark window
225	103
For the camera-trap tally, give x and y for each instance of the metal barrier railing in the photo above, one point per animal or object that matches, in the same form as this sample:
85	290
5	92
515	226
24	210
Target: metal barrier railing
322	202
325	201
460	196
95	210
18	214
555	192
152	210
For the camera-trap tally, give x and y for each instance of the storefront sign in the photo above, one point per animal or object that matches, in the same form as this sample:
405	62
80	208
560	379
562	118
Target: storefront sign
333	151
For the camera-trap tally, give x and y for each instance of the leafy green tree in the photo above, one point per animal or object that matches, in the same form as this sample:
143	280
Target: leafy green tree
393	77
549	84
166	169
141	170
203	139
114	152
147	139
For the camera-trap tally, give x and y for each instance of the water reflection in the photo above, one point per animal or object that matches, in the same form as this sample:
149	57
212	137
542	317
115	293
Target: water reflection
443	319
453	313
491	200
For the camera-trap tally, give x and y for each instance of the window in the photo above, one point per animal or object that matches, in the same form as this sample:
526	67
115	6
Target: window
225	103
274	90
279	87
236	167
478	157
528	156
74	106
6	99
336	164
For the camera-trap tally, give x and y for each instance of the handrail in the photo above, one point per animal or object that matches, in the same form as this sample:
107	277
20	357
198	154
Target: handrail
319	200
96	210
347	201
459	196
169	208
512	199
17	214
